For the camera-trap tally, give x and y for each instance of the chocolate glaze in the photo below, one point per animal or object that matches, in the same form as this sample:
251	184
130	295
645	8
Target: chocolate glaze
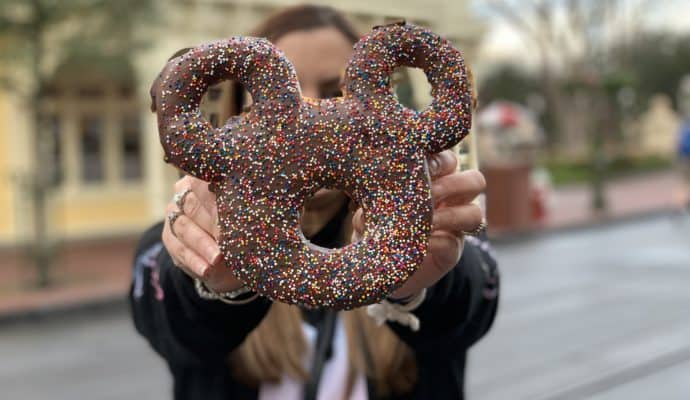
264	164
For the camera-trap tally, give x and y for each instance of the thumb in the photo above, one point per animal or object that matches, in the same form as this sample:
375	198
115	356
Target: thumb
358	222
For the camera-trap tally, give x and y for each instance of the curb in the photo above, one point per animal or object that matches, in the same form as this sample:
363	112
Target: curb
51	313
529	234
119	303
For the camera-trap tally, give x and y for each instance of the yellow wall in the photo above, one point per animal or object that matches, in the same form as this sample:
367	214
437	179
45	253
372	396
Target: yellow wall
73	212
100	213
76	210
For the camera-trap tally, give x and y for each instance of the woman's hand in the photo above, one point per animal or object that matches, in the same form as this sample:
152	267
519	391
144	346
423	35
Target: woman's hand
194	245
452	193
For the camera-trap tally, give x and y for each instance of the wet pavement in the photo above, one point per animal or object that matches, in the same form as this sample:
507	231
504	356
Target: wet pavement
89	356
591	314
595	314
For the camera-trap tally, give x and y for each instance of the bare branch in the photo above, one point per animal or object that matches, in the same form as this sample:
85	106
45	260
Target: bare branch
546	17
512	16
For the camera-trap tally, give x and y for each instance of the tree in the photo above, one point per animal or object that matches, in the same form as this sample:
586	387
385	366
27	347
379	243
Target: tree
573	39
657	61
26	26
507	82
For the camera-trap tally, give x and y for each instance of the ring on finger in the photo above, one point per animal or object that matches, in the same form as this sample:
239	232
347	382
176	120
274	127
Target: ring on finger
178	198
172	217
478	230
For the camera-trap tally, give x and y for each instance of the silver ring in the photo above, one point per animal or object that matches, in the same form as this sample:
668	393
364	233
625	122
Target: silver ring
178	199
478	230
172	217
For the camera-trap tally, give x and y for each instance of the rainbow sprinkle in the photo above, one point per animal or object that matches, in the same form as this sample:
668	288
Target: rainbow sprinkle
266	163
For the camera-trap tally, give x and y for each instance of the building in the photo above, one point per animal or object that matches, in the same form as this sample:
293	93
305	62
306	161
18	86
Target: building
107	169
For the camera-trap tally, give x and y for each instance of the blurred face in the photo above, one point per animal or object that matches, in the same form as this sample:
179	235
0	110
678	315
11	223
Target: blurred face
319	57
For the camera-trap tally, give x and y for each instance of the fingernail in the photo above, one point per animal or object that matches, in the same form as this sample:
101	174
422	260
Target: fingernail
201	268
434	165
204	271
213	254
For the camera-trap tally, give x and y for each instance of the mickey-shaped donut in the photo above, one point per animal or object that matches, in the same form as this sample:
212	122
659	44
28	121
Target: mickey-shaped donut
265	164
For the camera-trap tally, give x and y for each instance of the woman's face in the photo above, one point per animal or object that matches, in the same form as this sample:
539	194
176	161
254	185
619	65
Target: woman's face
319	57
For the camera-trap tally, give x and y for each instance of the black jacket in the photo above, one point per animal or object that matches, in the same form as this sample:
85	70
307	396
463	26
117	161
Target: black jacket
195	335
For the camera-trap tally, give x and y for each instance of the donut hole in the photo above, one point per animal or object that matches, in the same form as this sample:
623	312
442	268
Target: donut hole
222	101
411	87
326	220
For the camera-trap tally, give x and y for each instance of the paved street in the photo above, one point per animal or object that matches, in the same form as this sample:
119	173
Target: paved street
591	315
97	358
600	315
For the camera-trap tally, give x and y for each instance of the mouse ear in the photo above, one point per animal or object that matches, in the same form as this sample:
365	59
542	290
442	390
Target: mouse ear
189	141
448	118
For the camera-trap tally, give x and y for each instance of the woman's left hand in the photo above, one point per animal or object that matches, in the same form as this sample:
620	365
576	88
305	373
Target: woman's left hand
452	193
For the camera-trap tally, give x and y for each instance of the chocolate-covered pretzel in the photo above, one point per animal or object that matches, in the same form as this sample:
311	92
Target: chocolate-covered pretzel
265	164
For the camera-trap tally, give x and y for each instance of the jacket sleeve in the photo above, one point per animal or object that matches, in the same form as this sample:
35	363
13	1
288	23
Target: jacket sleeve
183	328
459	309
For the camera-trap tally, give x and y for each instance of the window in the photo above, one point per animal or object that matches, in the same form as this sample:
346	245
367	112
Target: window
92	167
55	174
131	148
94	121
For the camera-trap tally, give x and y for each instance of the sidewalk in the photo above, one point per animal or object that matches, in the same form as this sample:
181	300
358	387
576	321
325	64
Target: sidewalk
625	197
100	271
94	271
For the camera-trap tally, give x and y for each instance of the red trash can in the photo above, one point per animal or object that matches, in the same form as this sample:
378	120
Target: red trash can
508	191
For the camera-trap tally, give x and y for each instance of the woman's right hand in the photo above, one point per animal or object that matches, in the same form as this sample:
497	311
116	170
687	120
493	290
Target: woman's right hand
194	245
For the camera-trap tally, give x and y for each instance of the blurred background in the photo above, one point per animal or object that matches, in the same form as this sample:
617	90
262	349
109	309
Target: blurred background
581	113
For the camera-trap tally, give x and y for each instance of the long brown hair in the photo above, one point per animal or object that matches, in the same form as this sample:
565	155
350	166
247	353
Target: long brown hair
303	18
277	345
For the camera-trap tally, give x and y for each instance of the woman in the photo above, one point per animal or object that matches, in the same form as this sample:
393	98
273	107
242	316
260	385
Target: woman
258	349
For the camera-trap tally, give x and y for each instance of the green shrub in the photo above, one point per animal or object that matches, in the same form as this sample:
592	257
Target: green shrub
565	173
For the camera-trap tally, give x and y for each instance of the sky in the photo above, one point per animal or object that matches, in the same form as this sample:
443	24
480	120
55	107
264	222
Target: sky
502	43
